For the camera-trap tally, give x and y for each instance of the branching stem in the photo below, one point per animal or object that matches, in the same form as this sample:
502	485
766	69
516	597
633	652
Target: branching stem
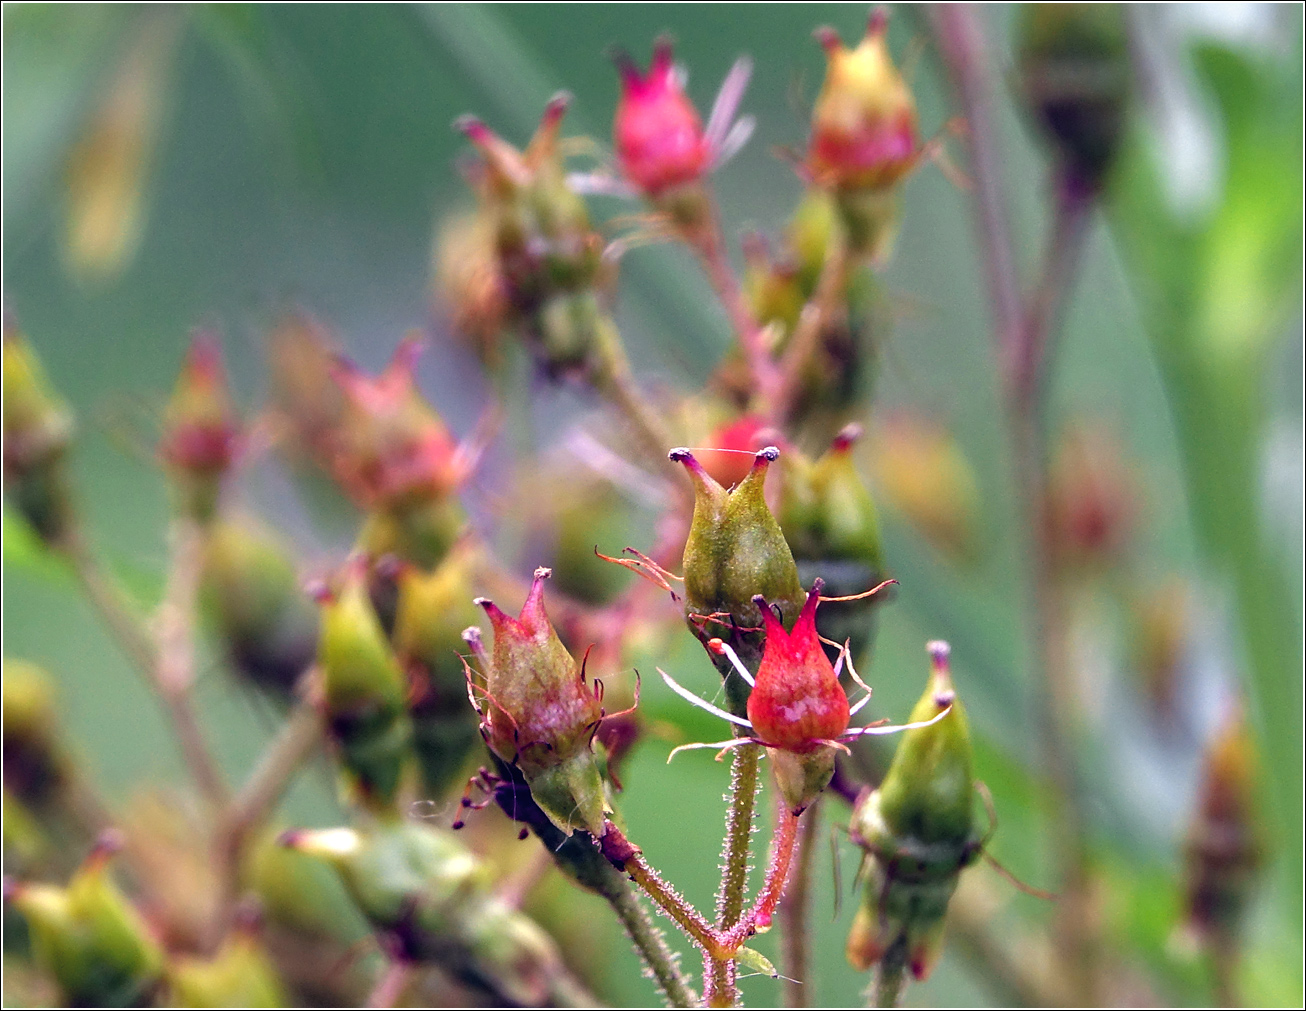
166	663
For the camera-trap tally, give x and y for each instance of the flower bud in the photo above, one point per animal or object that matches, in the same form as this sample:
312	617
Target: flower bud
830	522
918	832
1224	850
921	471
35	766
429	898
864	135
200	429
88	937
542	232
540	715
837	374
734	553
470	286
797	707
239	975
1091	500
302	359
1075	76
364	691
433	609
657	134
37	428
390	448
251	590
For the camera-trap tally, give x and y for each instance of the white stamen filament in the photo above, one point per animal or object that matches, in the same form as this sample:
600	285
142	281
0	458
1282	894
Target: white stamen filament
738	664
693	699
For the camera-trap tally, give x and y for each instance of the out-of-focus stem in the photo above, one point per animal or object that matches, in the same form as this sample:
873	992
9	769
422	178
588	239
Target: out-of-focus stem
1023	337
167	662
961	40
1058	704
807	334
175	672
299	735
719	974
652	946
890	974
391	984
794	910
711	247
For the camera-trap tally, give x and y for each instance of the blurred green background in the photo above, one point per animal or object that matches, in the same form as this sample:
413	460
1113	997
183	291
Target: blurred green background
302	155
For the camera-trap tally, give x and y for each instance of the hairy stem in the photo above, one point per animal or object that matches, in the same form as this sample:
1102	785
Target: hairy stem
689	919
794	910
651	945
890	975
718	973
777	874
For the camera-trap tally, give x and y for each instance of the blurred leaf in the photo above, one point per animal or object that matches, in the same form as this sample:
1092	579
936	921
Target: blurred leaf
1216	296
109	165
59	54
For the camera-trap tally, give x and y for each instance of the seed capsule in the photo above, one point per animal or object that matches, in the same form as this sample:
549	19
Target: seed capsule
918	833
735	552
430	899
88	936
37	429
364	692
539	714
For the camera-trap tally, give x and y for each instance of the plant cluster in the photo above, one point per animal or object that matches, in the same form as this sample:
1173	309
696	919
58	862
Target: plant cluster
399	665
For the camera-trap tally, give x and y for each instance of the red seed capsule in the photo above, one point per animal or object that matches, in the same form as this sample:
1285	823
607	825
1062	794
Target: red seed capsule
657	132
797	704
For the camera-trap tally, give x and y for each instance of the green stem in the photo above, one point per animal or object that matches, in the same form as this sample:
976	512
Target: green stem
651	945
719	974
890	975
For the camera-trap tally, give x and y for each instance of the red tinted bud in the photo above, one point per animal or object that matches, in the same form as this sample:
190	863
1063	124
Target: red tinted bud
201	432
391	448
734	447
538	712
797	703
657	132
200	426
1091	499
864	125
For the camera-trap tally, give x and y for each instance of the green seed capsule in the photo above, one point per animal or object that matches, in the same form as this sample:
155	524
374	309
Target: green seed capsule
1075	75
37	429
265	624
918	832
430	897
736	551
365	692
89	937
